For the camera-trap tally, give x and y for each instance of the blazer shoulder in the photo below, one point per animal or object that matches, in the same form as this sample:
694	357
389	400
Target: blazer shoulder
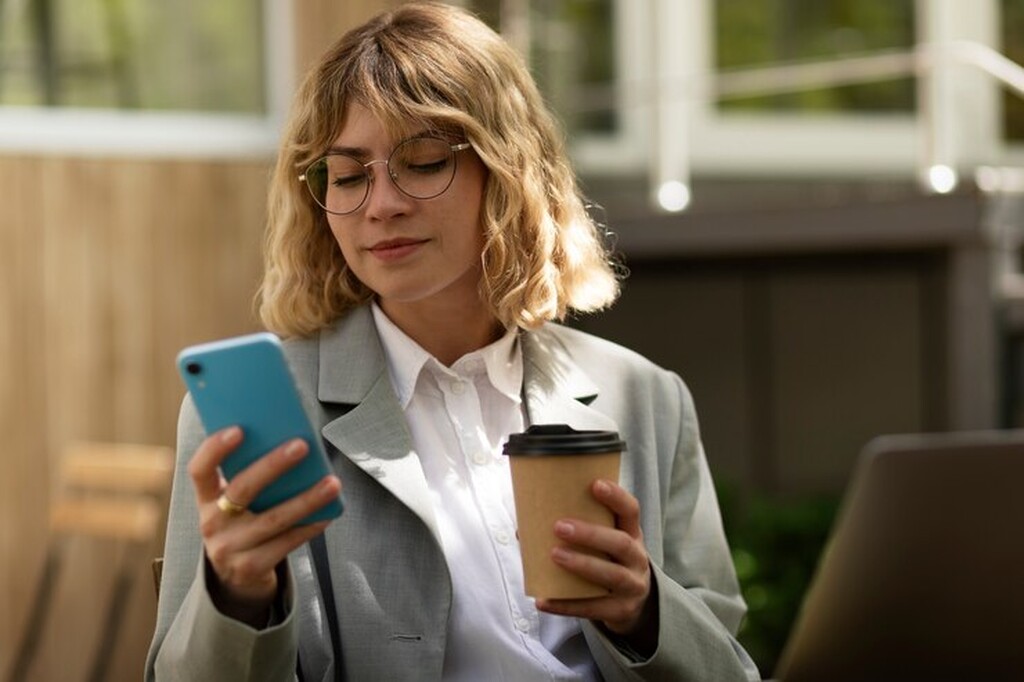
616	368
593	352
298	348
303	357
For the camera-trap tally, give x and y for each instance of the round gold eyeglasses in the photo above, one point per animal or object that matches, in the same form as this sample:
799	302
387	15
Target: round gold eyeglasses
420	167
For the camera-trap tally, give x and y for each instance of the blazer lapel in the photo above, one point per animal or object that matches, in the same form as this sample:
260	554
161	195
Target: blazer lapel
372	432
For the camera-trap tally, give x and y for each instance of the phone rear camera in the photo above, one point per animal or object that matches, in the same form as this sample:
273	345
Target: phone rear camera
193	368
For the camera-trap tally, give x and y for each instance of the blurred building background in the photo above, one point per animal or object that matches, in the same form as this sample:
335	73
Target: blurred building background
818	202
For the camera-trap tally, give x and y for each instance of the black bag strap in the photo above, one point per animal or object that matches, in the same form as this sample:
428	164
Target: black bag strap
322	569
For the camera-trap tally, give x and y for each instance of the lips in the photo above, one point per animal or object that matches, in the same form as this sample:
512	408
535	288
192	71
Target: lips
391	249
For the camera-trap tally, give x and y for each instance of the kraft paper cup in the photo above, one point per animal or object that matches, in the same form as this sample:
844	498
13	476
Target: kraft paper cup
553	468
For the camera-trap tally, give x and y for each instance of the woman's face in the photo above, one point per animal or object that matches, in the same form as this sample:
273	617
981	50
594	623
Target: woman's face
411	251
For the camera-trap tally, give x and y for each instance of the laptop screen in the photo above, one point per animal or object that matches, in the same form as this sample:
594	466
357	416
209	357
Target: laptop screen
923	576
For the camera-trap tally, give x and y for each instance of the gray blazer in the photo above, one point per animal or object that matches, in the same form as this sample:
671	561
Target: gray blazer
391	584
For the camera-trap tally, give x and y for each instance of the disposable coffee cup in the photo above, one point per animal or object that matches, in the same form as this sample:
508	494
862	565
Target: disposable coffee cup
553	470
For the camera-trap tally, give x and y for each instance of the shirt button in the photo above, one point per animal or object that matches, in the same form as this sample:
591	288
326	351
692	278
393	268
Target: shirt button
522	625
502	537
458	387
480	458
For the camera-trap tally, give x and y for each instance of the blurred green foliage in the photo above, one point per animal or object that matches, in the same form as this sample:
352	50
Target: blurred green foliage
133	54
751	33
775	546
1013	47
578	53
572	48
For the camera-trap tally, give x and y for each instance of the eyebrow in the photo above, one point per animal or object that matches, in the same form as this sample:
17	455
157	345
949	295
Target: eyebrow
363	152
358	152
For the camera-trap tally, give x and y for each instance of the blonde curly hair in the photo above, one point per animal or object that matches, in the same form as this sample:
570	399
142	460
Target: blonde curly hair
436	64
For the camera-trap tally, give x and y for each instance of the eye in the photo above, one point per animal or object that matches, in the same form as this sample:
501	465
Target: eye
344	172
427	167
422	156
353	180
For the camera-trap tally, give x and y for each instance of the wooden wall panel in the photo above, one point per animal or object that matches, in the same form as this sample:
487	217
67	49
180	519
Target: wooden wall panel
849	363
24	472
318	23
107	268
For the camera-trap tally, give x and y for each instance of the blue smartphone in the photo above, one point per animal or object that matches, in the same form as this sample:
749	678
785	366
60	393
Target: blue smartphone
245	381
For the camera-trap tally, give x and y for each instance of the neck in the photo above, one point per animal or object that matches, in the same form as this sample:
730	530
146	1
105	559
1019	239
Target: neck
446	331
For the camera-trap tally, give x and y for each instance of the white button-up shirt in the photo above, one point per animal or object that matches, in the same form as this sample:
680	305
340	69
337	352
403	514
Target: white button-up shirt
459	418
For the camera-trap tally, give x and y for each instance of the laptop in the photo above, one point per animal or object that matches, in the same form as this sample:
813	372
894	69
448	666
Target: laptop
923	575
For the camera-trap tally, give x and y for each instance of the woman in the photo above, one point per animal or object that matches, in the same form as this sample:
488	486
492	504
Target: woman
424	232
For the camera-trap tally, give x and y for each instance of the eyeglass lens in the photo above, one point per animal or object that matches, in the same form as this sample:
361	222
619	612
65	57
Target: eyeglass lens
421	167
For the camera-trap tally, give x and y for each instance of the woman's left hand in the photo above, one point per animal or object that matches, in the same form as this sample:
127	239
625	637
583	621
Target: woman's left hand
625	570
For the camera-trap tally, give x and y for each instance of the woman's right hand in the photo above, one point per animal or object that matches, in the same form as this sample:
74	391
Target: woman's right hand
244	550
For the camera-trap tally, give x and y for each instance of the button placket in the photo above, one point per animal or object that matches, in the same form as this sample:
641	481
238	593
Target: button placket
484	475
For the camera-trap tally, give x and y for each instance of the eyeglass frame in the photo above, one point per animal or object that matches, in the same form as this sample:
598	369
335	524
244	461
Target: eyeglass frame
453	147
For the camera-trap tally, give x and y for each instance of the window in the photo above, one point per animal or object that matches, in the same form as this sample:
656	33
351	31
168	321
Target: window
571	46
163	76
750	33
131	54
651	95
573	56
583	54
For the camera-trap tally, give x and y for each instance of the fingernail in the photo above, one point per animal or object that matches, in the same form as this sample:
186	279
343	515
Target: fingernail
230	434
560	554
602	487
295	449
564	529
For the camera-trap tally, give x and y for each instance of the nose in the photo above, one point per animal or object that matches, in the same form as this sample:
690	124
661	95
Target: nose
385	199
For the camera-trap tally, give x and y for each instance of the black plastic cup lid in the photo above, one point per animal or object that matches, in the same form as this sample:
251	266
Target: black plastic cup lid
561	439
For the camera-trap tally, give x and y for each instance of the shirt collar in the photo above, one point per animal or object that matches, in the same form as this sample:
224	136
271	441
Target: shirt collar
502	360
405	357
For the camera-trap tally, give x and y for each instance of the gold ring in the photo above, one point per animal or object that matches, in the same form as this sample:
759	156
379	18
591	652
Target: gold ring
229	506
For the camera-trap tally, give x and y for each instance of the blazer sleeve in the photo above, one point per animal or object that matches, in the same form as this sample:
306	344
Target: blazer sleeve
192	639
699	603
